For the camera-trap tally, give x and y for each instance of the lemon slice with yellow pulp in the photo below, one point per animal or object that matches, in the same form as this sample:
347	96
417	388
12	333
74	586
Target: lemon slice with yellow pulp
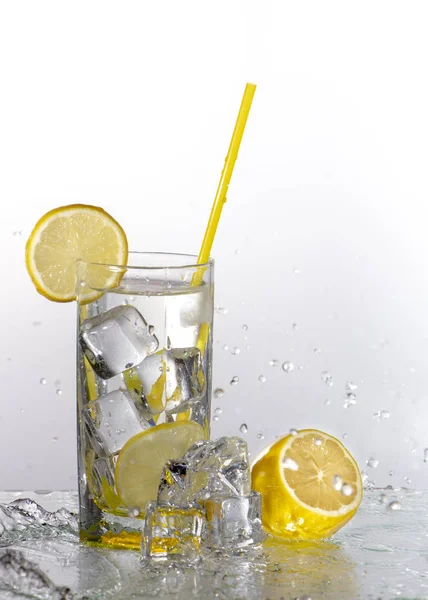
310	485
141	460
67	233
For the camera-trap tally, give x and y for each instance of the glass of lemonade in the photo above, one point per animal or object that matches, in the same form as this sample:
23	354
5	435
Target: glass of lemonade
144	360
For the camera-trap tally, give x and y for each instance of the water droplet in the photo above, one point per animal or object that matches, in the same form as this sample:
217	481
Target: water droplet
394	505
273	362
245	327
344	436
295	326
327	378
407	480
43	381
218	411
293	431
216	418
243	428
225	347
221	310
317	350
287	366
17	233
260	436
151	329
218	393
296	271
55	439
391	473
262	378
350	400
425	455
327	402
22	410
337	483
37	323
237	251
168	343
381	415
289	463
234	380
317	441
351	386
347	490
412	370
372	463
59	392
236	350
57	382
134	511
382	499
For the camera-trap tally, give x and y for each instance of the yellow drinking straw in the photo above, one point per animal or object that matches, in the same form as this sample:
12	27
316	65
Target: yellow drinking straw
226	174
220	198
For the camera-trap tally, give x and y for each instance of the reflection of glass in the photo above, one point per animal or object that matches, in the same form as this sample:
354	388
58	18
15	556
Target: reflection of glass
144	360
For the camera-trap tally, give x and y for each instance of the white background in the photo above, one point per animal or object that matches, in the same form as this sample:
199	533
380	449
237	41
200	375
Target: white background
130	106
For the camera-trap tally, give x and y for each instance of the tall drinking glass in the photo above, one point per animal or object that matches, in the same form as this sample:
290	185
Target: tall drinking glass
144	359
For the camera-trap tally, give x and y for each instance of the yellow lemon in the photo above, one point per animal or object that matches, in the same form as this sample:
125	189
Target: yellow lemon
310	485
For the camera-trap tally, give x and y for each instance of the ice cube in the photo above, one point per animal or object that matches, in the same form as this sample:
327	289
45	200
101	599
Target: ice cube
234	521
116	340
209	467
227	463
111	421
180	484
171	532
170	379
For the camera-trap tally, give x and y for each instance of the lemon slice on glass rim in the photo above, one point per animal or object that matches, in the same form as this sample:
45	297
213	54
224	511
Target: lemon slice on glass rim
68	233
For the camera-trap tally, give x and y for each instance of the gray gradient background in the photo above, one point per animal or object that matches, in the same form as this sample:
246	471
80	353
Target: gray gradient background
130	105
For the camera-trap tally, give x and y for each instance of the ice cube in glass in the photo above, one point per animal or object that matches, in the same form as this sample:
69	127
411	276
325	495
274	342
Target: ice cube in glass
111	421
116	340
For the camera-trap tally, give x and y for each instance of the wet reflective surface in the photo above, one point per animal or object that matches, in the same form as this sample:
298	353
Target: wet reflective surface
382	553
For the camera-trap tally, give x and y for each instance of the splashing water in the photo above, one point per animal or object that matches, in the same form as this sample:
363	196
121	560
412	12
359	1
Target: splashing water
372	463
24	517
43	381
289	463
350	400
337	483
381	415
218	393
288	366
351	386
262	378
24	577
234	380
245	327
236	351
273	362
243	428
327	378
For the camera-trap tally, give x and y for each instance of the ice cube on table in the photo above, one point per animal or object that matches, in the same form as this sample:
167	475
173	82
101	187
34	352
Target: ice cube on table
172	533
209	467
111	421
170	379
234	521
227	463
116	340
180	485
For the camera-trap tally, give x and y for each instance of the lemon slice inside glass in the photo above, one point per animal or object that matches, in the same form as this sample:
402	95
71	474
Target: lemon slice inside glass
67	233
140	462
310	485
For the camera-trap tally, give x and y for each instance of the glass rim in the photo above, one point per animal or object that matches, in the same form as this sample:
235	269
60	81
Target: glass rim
185	265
